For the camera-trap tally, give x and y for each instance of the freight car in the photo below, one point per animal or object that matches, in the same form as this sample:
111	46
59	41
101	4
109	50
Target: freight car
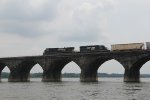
147	45
130	46
92	48
48	51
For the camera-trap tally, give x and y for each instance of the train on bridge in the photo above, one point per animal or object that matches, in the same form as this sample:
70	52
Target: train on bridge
131	56
100	48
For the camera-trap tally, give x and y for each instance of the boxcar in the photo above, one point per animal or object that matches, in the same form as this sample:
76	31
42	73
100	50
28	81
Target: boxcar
148	45
131	46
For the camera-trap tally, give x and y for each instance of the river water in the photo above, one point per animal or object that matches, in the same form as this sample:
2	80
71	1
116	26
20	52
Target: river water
72	89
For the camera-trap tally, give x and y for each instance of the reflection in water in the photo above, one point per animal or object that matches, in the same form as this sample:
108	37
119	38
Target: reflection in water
137	91
72	89
132	89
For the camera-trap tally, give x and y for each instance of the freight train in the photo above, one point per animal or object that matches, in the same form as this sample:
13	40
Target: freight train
100	48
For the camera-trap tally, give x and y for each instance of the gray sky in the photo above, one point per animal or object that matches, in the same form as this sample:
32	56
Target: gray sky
27	27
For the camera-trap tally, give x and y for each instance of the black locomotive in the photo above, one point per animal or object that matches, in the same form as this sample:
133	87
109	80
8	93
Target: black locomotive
93	48
48	51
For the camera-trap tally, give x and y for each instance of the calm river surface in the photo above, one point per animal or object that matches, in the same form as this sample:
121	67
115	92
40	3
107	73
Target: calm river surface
72	89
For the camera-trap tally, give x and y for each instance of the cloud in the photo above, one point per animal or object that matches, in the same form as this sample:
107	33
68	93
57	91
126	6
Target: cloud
82	21
75	20
24	28
130	22
26	18
28	11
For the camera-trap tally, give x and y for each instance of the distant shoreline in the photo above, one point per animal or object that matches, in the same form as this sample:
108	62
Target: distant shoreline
77	75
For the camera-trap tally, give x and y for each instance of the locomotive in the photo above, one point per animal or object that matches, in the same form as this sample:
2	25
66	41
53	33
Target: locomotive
93	48
48	51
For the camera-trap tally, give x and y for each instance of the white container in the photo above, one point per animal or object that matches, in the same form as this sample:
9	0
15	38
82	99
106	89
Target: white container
131	46
148	45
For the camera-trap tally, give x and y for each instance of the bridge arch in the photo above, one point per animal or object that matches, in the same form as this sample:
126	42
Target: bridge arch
140	62
71	68
5	73
3	67
145	69
99	62
36	72
111	66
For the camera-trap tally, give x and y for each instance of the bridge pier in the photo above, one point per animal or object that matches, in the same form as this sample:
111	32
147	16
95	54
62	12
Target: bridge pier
132	68
51	76
52	70
15	76
88	76
132	75
20	71
1	68
89	66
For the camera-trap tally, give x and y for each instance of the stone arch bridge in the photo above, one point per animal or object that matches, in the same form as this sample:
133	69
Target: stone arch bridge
89	62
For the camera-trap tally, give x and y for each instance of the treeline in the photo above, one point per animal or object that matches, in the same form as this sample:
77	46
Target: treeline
76	75
5	75
33	75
